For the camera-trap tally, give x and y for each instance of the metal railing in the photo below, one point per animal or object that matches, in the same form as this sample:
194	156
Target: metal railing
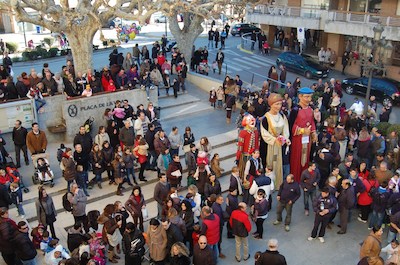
286	11
318	13
246	42
354	17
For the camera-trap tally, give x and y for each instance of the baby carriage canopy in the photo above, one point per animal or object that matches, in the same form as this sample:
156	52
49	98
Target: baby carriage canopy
88	124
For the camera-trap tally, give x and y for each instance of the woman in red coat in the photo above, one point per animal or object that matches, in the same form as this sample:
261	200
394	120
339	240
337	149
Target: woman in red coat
365	200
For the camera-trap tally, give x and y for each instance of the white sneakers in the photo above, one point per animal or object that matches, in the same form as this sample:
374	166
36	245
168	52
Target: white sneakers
321	239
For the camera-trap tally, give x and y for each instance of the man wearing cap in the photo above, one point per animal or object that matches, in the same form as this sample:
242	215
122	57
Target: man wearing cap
275	134
302	130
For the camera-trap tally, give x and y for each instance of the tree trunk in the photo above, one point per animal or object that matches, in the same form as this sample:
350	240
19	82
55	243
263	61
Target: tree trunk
81	43
186	36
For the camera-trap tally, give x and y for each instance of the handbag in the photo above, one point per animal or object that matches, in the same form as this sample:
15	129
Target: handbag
186	148
119	180
50	218
176	173
115	238
145	214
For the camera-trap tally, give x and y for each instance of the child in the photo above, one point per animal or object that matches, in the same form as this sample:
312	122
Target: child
37	235
44	170
196	234
129	160
392	251
260	213
87	92
16	197
394	183
266	48
60	152
213	97
220	96
214	66
45	242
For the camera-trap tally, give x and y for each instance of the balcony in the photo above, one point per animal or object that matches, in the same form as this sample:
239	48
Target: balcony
360	24
286	16
338	22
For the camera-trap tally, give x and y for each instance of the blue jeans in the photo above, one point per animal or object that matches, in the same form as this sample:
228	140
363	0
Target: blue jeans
130	171
312	194
82	181
392	236
376	219
285	170
215	251
69	182
39	103
152	156
20	209
97	178
29	262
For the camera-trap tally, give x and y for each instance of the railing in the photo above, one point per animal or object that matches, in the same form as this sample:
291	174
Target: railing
286	11
246	42
354	17
317	13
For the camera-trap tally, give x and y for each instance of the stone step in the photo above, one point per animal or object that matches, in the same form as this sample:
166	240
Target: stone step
184	110
169	102
226	150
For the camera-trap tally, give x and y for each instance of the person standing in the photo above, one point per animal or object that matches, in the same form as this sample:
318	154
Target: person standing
176	141
309	181
8	228
371	246
23	245
36	140
271	256
216	38
324	206
161	191
202	253
46	212
220	60
19	134
289	192
78	200
85	140
157	242
127	135
241	227
133	244
345	61
282	76
217	209
210	38
210	228
253	38
261	208
346	201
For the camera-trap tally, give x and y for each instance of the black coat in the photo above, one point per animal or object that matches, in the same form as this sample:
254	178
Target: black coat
126	245
19	136
271	258
180	260
7	231
174	234
85	140
5	199
23	246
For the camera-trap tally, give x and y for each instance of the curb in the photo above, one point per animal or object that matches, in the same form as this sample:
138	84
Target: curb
244	50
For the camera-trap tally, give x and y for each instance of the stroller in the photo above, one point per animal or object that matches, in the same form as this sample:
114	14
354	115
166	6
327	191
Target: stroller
203	68
13	172
43	174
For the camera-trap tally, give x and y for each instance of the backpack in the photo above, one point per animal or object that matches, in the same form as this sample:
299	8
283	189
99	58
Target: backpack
60	153
136	248
67	205
191	201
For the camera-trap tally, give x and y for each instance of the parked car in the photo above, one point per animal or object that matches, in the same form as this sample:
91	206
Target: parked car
302	64
385	90
161	19
242	28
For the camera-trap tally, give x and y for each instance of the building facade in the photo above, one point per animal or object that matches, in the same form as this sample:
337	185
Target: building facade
334	24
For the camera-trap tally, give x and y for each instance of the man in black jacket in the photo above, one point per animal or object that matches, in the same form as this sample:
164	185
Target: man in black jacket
84	139
3	153
289	192
7	231
5	199
309	181
24	248
174	234
270	256
202	253
151	132
19	138
346	201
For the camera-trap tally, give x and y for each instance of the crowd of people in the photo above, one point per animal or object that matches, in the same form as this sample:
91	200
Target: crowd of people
304	142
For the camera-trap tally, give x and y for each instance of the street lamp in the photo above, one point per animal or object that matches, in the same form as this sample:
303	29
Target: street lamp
374	54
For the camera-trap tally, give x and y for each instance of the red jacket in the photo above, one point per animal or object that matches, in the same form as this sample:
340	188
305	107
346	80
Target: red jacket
210	229
364	199
240	223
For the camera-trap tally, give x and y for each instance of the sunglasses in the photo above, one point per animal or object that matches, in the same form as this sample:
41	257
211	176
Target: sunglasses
201	243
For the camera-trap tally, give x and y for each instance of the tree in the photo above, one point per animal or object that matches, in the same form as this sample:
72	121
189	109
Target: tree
79	22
